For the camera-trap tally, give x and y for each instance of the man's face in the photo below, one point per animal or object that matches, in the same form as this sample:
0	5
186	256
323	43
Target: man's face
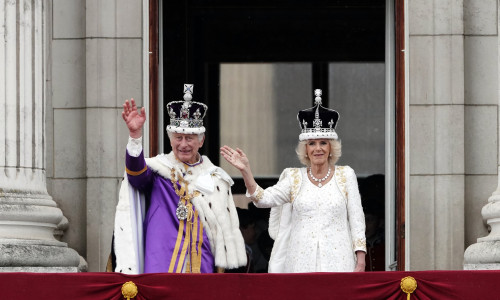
185	146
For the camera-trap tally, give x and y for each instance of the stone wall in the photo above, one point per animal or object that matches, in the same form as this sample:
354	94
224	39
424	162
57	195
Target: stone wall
453	99
95	62
95	59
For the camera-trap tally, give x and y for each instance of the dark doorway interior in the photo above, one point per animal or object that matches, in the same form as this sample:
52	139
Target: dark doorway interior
200	35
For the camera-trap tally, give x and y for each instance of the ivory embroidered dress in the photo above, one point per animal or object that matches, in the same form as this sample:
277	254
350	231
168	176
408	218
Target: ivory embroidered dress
326	225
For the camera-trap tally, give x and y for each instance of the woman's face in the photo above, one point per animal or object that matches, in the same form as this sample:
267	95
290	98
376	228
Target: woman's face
318	151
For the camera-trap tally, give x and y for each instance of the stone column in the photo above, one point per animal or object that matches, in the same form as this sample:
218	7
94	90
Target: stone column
28	215
485	254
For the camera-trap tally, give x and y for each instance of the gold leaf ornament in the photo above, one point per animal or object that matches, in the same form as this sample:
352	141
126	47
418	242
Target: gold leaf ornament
408	285
129	290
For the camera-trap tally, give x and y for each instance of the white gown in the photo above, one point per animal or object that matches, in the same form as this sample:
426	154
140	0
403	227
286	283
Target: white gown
326	225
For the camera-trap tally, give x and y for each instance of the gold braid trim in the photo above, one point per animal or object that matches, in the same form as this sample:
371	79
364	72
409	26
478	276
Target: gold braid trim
136	173
193	264
195	254
177	246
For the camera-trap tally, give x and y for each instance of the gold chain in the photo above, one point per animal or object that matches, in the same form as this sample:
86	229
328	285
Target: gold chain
183	191
194	261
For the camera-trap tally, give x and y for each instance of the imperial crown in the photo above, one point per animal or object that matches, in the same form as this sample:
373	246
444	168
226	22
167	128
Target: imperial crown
317	122
186	116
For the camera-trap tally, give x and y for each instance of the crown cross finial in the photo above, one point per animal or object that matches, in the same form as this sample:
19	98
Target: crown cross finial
304	123
330	123
188	91
197	114
188	88
317	123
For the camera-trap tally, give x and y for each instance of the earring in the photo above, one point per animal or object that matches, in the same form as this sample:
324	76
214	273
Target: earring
331	155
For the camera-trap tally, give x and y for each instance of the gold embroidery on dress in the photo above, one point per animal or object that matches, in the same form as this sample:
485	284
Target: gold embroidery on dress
359	243
295	185
260	193
342	179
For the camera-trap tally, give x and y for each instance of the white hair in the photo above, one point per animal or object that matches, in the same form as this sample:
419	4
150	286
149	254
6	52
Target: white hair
335	151
200	135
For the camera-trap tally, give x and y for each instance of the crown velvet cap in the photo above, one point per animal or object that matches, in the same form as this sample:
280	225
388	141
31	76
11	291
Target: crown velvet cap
186	116
318	122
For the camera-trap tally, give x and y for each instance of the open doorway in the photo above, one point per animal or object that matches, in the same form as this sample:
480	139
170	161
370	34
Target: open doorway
265	58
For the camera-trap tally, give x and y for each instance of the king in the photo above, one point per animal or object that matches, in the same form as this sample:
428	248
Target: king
175	211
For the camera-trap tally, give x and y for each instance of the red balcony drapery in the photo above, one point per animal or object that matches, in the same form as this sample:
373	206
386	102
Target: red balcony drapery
369	285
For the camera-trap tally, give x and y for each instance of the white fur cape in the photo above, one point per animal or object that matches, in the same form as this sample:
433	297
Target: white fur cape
214	204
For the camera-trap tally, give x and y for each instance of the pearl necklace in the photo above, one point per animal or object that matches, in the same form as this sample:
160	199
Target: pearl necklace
319	180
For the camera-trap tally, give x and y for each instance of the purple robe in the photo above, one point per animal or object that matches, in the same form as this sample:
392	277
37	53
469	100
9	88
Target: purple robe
165	249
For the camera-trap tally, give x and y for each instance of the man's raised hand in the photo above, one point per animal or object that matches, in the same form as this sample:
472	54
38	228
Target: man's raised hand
134	120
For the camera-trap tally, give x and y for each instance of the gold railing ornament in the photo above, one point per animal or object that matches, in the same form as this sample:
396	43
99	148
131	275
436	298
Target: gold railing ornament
129	290
408	285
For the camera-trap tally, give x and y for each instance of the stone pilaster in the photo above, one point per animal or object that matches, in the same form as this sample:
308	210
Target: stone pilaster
483	19
28	214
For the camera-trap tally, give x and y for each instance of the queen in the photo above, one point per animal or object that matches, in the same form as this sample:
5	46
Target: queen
316	220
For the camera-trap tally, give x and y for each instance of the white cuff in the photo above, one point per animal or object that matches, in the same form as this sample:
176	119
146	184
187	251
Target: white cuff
134	146
247	194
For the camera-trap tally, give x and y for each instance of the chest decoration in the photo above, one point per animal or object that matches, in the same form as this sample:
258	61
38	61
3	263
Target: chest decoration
184	207
317	179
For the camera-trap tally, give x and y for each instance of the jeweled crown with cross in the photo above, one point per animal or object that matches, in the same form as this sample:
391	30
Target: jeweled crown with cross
186	116
318	122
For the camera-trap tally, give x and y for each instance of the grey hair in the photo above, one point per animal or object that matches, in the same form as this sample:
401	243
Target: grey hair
335	150
200	135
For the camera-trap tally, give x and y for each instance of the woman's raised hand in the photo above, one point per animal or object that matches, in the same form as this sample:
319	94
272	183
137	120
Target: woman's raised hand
134	120
237	158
